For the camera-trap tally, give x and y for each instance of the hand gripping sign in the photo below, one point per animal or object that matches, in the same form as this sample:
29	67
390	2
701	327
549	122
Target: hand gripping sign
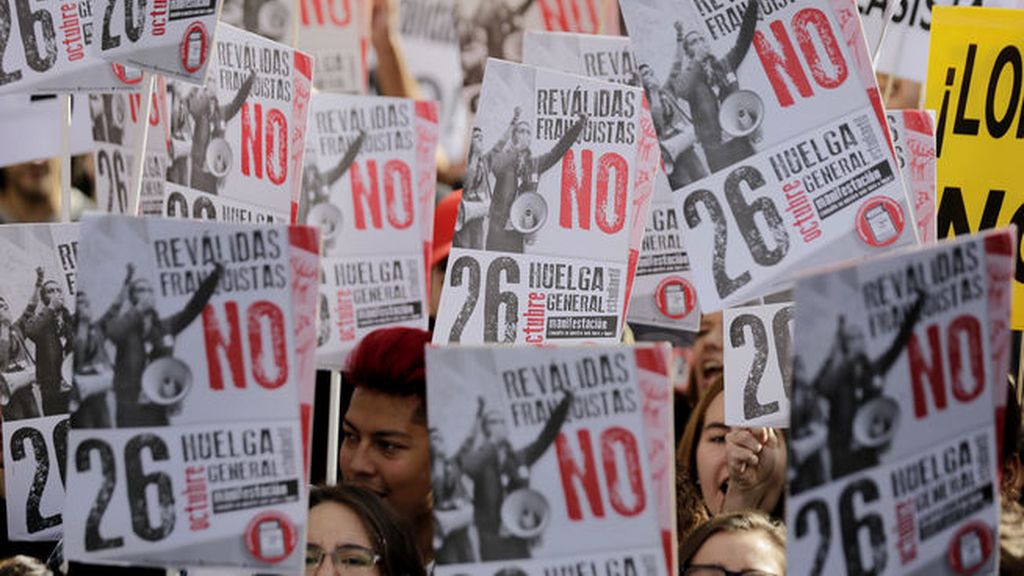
790	164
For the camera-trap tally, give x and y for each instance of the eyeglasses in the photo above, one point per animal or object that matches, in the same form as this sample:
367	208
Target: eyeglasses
704	570
347	559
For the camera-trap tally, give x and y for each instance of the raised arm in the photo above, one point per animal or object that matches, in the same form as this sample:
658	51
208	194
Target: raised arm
549	159
235	105
745	37
195	305
346	161
114	310
885	362
536	449
393	75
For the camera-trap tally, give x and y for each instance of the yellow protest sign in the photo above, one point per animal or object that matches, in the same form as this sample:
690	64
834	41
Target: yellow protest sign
975	77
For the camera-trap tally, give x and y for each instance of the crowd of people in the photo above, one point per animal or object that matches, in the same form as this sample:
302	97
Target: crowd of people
403	505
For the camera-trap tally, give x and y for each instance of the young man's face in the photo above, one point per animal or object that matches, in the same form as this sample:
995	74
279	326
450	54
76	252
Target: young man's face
52	294
386	449
698	46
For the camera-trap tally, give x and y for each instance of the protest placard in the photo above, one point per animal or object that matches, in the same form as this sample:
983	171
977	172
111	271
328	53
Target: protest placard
175	38
336	34
237	142
663	295
203	318
893	407
971	86
36	121
757	364
37	337
556	198
431	42
49	48
904	50
116	130
557	445
773	138
368	185
913	138
272	19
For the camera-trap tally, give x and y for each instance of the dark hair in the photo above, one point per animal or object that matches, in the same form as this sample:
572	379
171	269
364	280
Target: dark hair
391	361
747	521
391	535
22	565
690	508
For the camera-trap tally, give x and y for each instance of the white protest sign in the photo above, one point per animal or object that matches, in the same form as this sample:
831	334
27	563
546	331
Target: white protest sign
237	142
553	212
170	37
36	121
273	19
897	364
757	364
37	302
336	34
904	50
779	156
367	163
116	129
203	317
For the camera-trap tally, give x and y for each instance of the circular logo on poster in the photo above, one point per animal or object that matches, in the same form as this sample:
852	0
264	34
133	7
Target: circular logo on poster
271	537
880	221
195	47
127	75
675	298
970	548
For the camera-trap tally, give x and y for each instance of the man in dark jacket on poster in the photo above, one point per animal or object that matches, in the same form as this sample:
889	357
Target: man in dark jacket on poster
141	336
50	328
497	470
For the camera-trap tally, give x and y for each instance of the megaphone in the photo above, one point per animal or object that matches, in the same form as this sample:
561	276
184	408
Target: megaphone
876	422
218	157
525	513
528	212
166	381
741	113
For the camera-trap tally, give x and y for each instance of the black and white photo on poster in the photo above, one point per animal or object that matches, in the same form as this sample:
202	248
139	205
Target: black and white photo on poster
202	318
893	403
37	304
200	155
237	141
514	463
783	122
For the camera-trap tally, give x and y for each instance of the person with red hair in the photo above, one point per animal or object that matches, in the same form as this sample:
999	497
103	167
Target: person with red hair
385	443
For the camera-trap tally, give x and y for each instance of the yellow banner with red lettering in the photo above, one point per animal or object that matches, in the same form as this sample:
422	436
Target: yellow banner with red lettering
975	78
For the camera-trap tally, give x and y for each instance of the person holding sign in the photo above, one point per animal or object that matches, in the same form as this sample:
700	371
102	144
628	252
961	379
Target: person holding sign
517	171
141	336
682	164
726	469
497	469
